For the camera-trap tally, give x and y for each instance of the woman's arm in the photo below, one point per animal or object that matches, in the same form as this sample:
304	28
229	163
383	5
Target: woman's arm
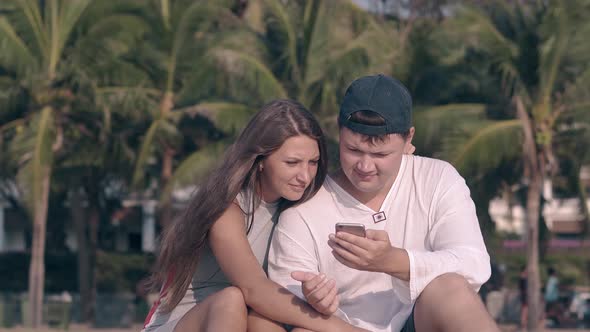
230	246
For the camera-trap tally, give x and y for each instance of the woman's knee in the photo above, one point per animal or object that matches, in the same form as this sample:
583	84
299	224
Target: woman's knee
229	298
224	310
257	322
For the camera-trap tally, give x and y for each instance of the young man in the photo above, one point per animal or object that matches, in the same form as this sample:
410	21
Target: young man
423	256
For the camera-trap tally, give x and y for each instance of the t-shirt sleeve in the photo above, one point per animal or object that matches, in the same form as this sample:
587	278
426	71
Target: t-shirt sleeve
292	249
455	238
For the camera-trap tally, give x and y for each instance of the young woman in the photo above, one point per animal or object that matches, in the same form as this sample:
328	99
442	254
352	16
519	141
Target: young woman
212	259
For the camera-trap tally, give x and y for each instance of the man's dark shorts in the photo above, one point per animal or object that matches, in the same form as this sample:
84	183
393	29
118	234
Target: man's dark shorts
409	325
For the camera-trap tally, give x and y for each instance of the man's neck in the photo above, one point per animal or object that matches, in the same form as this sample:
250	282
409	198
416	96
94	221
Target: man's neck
372	200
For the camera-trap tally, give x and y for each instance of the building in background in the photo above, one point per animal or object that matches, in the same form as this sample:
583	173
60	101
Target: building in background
563	216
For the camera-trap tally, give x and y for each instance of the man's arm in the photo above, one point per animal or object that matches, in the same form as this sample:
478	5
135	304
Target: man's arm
455	238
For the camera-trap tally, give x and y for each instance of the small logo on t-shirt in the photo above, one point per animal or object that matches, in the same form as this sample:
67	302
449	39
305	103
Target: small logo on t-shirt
379	217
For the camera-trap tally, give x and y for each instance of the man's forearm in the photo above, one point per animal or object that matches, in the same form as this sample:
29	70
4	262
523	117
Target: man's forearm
399	264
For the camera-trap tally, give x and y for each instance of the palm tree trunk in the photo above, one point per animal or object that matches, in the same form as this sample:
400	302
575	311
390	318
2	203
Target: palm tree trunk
85	253
166	105
94	219
37	267
532	218
167	167
77	212
533	169
583	196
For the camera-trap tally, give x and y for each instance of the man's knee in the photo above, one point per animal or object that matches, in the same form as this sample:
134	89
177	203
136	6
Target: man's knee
449	303
451	289
448	284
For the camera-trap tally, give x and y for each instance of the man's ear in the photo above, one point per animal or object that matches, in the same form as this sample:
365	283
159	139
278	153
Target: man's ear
411	135
409	148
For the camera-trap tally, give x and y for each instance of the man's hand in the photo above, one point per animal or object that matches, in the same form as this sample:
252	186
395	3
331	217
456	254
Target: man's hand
373	253
319	291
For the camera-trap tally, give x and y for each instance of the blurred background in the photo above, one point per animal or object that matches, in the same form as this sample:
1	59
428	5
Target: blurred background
112	110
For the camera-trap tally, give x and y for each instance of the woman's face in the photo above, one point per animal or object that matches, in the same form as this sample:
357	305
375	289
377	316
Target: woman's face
288	171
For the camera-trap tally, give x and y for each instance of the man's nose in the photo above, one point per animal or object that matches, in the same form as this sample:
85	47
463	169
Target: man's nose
365	164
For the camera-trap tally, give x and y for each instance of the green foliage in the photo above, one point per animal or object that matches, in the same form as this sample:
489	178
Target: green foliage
121	272
115	272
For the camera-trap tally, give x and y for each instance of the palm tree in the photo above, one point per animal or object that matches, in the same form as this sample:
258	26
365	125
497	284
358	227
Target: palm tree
174	52
536	49
46	47
309	51
314	49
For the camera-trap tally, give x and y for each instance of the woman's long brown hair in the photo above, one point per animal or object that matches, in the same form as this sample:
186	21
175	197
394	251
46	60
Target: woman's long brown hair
184	240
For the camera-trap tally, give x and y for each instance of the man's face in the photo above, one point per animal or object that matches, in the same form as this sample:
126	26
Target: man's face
371	166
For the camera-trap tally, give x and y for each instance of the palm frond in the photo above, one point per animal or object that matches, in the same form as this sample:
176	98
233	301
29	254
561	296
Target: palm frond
194	168
481	33
249	72
335	77
145	152
280	22
227	117
577	100
485	148
14	53
11	98
556	30
34	23
435	122
62	21
134	103
315	36
108	38
242	39
197	17
577	114
33	147
165	12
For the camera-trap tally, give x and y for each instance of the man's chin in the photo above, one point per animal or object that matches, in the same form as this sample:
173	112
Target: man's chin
366	187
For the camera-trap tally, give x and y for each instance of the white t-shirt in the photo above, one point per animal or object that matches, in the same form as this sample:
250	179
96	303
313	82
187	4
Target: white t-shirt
429	212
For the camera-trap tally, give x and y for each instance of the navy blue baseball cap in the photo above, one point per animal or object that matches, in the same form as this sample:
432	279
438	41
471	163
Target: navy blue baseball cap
383	95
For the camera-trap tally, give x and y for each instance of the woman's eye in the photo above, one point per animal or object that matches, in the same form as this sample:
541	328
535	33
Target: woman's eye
314	162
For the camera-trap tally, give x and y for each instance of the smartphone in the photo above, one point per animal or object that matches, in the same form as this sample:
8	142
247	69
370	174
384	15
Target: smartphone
352	228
